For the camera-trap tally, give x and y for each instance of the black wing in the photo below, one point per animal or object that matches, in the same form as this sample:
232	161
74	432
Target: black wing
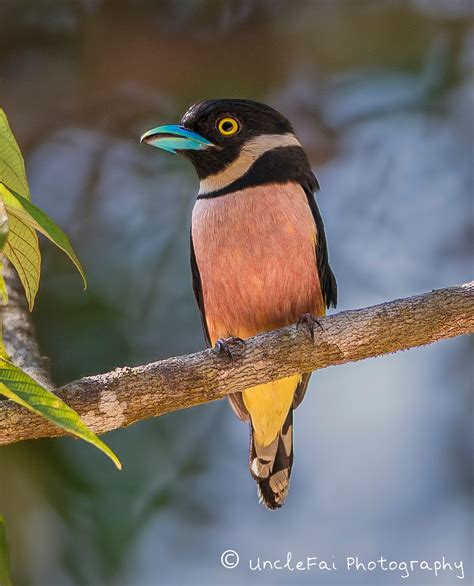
197	288
327	279
326	276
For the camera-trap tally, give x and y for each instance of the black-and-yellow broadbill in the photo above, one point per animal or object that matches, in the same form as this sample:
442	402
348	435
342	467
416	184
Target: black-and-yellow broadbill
258	254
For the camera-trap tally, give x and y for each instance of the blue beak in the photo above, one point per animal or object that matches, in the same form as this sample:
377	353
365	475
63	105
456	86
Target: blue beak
175	138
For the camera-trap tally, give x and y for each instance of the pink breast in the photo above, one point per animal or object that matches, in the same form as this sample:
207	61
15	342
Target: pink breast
255	251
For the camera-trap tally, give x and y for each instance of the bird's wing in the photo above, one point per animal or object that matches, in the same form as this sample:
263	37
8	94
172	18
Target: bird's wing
301	390
197	288
236	401
327	279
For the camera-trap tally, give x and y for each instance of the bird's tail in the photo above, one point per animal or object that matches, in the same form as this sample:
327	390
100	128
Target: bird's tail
271	465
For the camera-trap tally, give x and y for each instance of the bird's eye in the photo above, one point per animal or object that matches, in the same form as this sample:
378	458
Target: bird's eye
228	126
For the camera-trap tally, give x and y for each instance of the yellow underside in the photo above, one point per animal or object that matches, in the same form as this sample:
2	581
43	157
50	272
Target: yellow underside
268	406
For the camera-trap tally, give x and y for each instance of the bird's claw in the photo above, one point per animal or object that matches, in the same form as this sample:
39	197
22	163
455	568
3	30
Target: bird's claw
224	345
309	321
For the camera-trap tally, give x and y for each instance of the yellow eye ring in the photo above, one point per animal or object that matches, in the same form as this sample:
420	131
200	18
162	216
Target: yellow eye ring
228	126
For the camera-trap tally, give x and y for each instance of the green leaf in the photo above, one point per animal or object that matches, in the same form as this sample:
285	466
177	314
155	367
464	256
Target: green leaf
4	295
12	165
3	225
24	390
5	576
3	351
3	239
22	250
36	218
3	286
21	247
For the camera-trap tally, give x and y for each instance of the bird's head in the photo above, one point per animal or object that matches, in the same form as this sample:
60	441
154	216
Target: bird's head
225	139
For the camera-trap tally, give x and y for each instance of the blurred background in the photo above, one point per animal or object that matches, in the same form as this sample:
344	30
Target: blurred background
380	93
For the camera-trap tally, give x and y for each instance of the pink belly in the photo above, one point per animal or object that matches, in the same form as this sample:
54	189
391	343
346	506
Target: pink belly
255	251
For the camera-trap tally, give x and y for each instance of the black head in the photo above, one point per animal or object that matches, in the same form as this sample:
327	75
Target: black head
229	124
234	137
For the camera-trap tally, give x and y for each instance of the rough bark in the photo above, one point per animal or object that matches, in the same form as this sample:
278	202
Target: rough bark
126	395
18	330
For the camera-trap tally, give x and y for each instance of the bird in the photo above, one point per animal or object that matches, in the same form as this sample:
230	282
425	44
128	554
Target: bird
259	256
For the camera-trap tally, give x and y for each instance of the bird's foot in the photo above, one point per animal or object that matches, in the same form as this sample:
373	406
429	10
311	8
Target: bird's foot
224	346
309	321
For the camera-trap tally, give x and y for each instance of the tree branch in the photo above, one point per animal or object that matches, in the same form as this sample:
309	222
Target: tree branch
126	395
18	331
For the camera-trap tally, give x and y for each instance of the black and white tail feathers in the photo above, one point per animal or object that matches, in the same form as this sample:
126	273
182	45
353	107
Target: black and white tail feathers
271	465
